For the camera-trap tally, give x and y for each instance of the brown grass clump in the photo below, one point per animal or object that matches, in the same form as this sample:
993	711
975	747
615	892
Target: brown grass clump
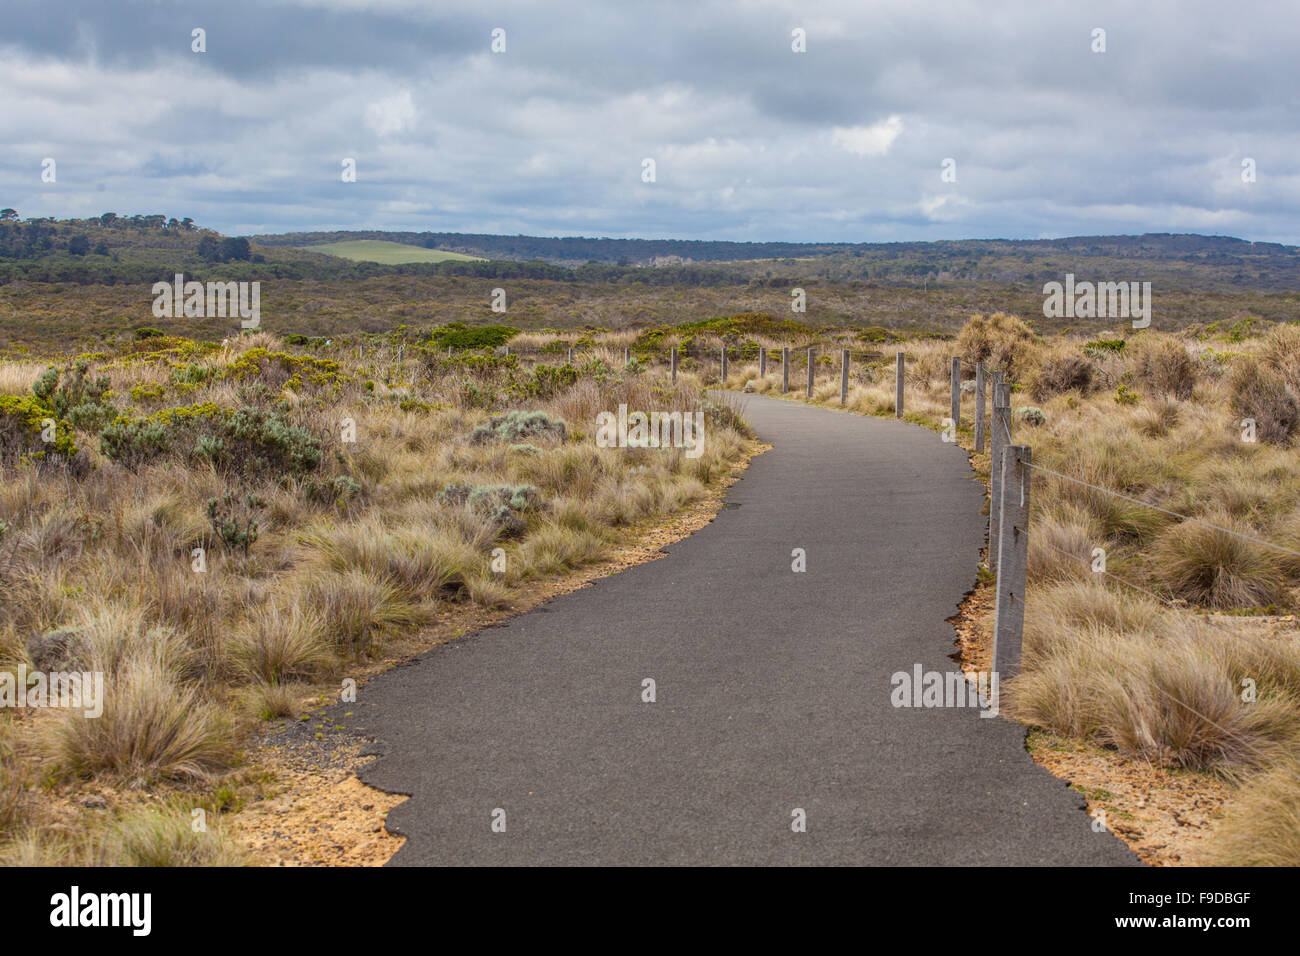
1062	370
1280	353
1211	567
278	644
153	726
1163	364
1262	827
1121	671
1262	393
1000	341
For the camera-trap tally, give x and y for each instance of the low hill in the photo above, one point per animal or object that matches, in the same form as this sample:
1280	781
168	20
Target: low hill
387	253
1175	261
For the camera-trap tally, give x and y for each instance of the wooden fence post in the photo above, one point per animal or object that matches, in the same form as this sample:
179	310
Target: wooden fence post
762	363
627	357
810	373
979	406
785	369
955	382
1009	609
844	376
570	356
724	366
1000	426
898	386
672	358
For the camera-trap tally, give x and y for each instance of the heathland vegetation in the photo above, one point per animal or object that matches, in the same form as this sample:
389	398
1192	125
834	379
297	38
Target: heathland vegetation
228	531
473	431
66	284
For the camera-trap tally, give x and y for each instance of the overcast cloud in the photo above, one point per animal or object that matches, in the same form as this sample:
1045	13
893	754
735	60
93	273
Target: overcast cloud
751	140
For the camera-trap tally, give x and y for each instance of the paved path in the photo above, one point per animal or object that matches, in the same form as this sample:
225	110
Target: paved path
773	690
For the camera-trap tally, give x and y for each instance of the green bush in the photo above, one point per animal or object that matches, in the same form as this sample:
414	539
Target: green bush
503	505
22	430
546	382
235	523
193	373
133	442
338	491
1104	347
517	426
246	442
458	336
747	323
75	390
1031	415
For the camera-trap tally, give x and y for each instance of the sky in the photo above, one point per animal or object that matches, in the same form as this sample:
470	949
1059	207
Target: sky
750	139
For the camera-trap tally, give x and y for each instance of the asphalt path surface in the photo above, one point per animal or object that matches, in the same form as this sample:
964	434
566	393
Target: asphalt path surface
773	690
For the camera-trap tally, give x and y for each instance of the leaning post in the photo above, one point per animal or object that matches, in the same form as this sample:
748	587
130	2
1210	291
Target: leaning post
898	386
1009	607
955	382
1000	427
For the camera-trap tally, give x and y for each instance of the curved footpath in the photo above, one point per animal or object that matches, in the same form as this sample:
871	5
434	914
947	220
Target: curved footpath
773	690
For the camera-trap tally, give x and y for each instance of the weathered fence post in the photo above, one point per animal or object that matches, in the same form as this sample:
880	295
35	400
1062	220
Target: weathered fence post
672	358
898	387
955	382
627	357
979	406
785	369
1009	609
1000	426
810	373
724	366
762	363
570	356
844	376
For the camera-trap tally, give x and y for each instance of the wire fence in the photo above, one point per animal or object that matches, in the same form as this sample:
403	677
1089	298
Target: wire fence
1010	493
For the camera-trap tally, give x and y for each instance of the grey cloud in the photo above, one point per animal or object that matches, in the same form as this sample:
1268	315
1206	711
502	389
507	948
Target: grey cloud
548	138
